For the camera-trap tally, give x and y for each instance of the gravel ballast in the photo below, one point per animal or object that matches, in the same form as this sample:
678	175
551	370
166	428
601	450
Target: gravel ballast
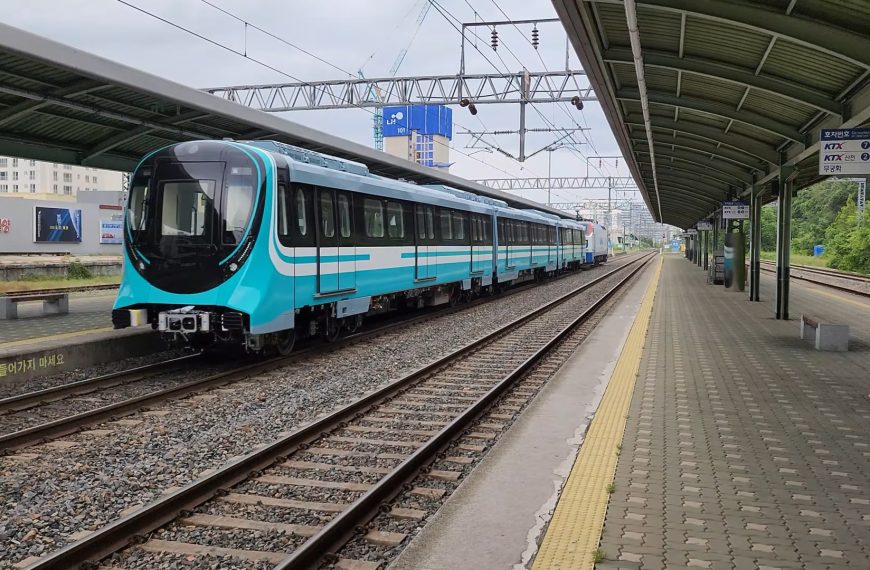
50	492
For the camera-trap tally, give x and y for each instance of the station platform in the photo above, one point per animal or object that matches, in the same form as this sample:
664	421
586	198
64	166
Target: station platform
87	312
743	446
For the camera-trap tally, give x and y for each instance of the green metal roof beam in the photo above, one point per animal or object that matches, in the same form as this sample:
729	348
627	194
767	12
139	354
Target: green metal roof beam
695	189
702	147
818	35
684	167
738	142
739	175
717	108
679	198
731	73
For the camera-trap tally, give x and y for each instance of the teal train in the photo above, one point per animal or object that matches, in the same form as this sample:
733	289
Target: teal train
257	244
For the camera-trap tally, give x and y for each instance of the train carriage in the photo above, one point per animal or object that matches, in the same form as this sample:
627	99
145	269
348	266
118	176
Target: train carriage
259	243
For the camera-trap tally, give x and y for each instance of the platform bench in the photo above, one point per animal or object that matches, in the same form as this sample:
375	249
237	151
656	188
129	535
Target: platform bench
826	336
52	304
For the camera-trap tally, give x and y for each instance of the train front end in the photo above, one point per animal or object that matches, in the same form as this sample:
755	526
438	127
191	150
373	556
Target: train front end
193	216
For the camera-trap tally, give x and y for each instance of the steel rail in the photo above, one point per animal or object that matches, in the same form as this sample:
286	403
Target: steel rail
71	424
123	532
54	393
827	271
344	525
822	283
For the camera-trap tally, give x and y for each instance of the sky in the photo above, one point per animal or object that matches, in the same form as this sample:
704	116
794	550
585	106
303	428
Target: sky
349	35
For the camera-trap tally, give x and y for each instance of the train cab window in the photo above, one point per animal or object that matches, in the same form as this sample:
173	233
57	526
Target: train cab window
138	200
430	222
458	225
395	220
487	230
327	214
446	225
301	212
373	211
283	211
344	225
186	207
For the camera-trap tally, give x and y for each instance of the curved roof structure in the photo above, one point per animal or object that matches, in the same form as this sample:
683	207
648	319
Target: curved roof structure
61	104
724	92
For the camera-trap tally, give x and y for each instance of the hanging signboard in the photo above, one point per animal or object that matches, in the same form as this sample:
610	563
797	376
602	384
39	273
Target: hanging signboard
692	231
844	151
735	210
705	226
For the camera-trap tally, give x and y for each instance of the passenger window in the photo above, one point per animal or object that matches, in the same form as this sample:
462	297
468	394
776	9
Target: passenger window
327	215
430	223
301	212
458	225
373	210
420	216
395	220
344	215
446	226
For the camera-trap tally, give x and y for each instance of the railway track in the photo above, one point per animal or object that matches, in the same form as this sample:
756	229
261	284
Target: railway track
27	433
314	489
856	278
104	287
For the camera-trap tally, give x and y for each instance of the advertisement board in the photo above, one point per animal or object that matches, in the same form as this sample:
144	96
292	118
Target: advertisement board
705	226
57	225
400	120
111	231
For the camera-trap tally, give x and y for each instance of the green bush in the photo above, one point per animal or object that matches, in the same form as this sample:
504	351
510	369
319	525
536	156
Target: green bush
847	242
78	271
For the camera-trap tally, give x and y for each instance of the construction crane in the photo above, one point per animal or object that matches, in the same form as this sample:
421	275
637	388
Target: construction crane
374	92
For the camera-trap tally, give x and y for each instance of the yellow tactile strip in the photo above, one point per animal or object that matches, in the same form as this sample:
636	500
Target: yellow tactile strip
574	532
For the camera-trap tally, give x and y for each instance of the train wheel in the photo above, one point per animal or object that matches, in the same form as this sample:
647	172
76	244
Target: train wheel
353	324
286	342
333	329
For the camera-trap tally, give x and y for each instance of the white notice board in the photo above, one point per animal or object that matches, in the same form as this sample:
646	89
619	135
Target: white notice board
844	151
735	210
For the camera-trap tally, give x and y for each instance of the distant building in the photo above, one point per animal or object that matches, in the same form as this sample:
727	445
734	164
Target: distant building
25	178
419	133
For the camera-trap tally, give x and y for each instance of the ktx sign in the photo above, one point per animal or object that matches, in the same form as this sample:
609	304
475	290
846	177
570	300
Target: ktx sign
844	151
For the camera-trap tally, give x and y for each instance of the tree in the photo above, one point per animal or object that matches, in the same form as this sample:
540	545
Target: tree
814	210
847	242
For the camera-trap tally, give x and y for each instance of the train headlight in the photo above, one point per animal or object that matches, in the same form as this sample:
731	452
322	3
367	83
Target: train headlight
233	266
141	266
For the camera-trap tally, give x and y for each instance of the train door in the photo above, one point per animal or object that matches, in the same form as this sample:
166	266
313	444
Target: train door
477	241
509	228
336	256
327	242
424	254
346	246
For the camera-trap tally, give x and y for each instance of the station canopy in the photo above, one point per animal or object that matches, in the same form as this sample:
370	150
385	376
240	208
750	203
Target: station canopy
61	104
733	90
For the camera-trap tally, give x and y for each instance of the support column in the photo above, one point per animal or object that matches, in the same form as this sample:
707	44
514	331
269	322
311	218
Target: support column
783	241
700	239
706	249
755	244
715	231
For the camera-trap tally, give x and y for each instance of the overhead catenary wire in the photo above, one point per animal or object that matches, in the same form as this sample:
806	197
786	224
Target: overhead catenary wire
279	71
561	107
447	16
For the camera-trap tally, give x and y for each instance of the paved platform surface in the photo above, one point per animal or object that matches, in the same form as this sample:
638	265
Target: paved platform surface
86	312
744	447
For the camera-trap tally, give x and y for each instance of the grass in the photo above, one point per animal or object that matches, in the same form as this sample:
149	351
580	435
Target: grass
29	284
611	488
598	555
798	259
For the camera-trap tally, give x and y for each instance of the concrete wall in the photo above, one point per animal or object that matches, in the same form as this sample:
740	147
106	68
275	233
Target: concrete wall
20	213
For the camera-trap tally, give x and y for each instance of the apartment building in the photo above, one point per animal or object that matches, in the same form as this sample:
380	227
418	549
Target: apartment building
23	177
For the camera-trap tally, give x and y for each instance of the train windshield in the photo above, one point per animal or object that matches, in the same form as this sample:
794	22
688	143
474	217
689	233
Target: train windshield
194	203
